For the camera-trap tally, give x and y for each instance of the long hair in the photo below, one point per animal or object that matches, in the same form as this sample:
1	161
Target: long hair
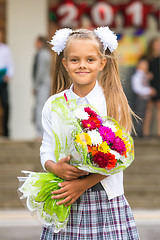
109	79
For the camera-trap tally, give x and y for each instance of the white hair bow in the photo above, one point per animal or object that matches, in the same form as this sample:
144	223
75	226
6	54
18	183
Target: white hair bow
106	36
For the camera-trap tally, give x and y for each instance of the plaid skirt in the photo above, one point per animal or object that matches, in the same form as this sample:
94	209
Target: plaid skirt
95	217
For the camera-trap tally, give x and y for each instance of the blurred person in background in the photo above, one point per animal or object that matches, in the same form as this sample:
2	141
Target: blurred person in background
142	90
154	68
41	80
6	73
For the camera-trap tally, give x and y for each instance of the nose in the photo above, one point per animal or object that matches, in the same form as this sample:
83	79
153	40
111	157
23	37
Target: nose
82	64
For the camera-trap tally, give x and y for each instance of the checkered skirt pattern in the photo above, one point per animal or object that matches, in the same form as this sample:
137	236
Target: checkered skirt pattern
95	217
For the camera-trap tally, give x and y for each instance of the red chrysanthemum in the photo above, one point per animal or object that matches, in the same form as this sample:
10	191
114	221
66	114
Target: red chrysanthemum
101	159
96	121
90	111
112	162
105	160
89	124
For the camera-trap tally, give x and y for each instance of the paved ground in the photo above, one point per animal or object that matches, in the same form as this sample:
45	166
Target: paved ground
20	225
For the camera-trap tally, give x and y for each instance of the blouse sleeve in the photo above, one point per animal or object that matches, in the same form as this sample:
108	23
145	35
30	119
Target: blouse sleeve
138	86
46	149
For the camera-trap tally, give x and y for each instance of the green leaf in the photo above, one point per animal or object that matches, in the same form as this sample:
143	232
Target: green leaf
119	161
46	190
62	212
49	205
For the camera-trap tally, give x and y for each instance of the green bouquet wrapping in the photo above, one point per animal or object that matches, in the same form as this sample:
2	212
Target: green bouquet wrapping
36	188
96	144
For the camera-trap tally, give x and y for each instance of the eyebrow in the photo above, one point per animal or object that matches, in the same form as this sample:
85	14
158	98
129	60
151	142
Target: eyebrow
72	56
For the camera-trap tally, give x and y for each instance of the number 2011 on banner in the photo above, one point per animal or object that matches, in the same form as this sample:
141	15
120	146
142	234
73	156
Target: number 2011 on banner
101	13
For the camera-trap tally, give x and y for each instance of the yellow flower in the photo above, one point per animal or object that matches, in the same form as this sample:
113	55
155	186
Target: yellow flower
84	139
127	144
103	147
119	133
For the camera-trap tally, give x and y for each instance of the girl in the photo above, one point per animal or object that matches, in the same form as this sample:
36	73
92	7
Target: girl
154	63
86	70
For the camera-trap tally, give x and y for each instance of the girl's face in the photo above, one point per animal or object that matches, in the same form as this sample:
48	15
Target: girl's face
83	63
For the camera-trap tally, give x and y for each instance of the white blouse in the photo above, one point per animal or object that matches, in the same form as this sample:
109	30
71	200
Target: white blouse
112	184
6	60
140	84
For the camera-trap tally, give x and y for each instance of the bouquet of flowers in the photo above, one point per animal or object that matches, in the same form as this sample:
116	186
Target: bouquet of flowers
96	144
102	142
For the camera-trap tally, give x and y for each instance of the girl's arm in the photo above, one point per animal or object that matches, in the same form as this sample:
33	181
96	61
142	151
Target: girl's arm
72	190
63	170
48	160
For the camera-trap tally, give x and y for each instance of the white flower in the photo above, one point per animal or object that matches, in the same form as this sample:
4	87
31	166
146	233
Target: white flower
81	114
116	154
107	37
95	137
111	125
59	40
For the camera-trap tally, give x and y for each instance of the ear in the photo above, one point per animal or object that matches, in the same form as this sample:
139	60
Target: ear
102	64
64	61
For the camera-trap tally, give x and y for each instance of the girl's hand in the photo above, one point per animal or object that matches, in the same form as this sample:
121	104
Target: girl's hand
63	170
70	191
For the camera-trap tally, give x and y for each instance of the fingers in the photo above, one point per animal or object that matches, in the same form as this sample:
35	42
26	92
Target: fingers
68	172
66	200
69	203
65	160
60	196
63	184
72	168
62	190
69	176
58	191
77	171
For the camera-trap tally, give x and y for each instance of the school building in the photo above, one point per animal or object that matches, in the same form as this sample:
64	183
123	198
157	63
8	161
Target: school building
22	21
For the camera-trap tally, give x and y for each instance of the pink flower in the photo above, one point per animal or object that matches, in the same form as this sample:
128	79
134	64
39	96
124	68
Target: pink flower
107	134
89	124
90	111
119	146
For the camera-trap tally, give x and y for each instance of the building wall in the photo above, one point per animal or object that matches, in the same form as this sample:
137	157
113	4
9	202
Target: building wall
25	21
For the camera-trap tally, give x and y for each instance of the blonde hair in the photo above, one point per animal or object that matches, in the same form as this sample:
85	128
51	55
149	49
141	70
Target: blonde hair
109	79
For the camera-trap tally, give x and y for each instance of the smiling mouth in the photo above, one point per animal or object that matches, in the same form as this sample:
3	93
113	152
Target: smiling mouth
82	73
